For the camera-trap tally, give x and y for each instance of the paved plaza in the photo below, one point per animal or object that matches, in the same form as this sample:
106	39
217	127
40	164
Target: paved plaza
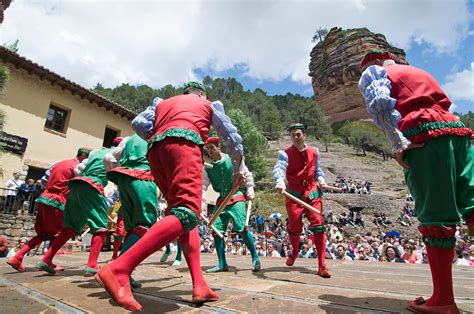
354	287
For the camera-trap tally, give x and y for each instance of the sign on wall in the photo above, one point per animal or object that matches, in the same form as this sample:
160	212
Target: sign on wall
13	143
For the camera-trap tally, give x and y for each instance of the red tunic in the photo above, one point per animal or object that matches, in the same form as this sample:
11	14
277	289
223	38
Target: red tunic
300	171
301	183
187	116
423	105
182	124
57	188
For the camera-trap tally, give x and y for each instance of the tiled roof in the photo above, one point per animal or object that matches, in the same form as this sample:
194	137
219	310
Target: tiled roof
45	74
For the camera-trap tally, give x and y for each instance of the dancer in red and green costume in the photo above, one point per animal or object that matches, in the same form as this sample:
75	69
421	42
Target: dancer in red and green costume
129	169
434	148
85	203
299	163
176	128
49	219
220	177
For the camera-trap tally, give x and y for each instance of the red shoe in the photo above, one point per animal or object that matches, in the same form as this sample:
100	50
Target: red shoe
204	294
323	271
122	295
16	264
290	260
419	306
58	268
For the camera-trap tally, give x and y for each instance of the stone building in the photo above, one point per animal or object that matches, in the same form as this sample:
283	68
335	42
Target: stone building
48	117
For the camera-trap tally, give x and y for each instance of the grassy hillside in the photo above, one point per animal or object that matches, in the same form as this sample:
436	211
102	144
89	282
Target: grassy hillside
388	189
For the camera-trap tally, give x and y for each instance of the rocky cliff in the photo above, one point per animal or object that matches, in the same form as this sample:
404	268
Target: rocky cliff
335	70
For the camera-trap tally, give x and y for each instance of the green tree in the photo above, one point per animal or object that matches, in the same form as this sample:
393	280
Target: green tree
311	115
319	35
253	141
467	119
168	91
13	46
365	136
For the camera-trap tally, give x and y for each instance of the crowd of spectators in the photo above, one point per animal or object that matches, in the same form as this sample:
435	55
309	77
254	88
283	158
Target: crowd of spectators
20	196
350	185
271	236
273	241
353	218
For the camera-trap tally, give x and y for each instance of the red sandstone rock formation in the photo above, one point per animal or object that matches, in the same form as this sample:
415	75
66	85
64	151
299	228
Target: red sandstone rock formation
335	70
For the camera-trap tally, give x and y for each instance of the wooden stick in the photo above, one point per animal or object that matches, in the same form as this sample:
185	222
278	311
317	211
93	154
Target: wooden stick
88	229
249	209
297	200
212	226
223	205
330	188
85	232
208	165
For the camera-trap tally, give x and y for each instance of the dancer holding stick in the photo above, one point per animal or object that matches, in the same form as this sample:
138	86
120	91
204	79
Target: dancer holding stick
231	202
176	129
300	165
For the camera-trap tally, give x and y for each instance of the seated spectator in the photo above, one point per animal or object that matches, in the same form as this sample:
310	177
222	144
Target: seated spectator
341	253
3	246
351	187
461	258
344	187
228	247
378	220
343	219
358	186
205	247
359	220
410	255
284	249
335	235
330	219
375	249
305	251
424	258
392	256
272	251
385	219
368	186
461	245
260	252
238	248
458	234
19	245
366	253
405	208
404	219
350	218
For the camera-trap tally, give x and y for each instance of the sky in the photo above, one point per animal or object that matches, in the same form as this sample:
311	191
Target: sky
263	44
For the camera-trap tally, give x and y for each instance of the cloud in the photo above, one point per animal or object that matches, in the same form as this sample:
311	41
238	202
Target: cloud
460	85
163	42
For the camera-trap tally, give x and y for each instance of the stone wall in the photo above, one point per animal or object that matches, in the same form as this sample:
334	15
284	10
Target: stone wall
15	227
